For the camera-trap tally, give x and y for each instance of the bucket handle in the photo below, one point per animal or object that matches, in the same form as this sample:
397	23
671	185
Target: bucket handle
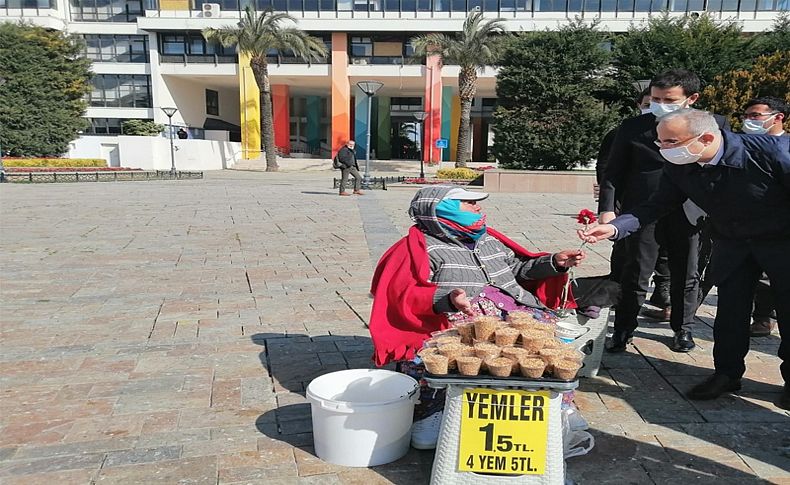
342	407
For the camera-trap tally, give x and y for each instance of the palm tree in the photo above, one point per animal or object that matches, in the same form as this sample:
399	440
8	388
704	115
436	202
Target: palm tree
473	49
256	35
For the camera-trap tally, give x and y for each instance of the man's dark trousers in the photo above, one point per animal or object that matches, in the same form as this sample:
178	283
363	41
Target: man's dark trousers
736	293
344	172
681	240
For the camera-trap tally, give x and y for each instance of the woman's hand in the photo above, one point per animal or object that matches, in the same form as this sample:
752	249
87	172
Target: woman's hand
460	301
569	258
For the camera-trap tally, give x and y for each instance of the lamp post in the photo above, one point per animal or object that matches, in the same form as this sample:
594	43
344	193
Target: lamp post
170	112
420	116
369	88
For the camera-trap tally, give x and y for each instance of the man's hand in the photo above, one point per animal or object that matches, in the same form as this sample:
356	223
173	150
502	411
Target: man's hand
606	217
597	233
460	301
569	258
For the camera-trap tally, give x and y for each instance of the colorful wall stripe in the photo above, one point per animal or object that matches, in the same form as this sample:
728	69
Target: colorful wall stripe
433	106
384	129
447	111
360	121
282	118
455	123
249	99
341	92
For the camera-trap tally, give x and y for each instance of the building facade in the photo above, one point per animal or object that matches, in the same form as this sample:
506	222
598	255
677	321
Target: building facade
149	54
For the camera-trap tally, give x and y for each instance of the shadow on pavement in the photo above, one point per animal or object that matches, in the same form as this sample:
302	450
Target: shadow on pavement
658	437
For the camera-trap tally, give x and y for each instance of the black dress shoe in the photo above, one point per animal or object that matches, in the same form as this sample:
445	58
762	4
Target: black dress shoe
713	387
784	399
682	341
620	338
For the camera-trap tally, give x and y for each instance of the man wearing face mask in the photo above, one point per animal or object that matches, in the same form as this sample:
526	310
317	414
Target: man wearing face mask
761	116
632	173
743	183
660	296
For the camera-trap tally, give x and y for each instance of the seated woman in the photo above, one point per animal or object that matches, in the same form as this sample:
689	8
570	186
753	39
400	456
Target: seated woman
450	267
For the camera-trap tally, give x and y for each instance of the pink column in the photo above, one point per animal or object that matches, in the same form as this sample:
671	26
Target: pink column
282	117
433	106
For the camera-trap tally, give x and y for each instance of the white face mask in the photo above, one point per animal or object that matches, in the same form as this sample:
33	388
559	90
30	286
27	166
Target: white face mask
757	127
645	110
663	109
681	155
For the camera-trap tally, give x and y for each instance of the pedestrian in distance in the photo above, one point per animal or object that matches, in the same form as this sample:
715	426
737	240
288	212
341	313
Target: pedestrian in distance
182	134
346	161
743	183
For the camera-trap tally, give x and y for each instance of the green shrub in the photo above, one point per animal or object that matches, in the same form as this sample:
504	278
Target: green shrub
54	162
142	128
457	174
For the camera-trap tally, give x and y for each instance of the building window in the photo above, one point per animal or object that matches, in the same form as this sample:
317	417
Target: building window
174	46
212	102
121	90
29	4
106	126
116	48
406	104
361	47
106	10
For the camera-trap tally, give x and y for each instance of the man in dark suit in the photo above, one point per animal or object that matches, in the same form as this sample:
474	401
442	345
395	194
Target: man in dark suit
632	174
743	183
660	297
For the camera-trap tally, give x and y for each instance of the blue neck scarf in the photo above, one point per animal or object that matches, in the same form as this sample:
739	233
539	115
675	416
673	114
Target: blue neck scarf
461	224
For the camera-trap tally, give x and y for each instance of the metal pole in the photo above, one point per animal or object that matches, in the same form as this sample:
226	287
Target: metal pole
172	152
367	146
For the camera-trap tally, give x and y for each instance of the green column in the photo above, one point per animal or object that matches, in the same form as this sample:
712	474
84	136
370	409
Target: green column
313	114
383	129
447	114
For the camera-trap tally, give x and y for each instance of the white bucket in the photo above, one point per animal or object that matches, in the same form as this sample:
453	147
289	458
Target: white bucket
362	417
569	331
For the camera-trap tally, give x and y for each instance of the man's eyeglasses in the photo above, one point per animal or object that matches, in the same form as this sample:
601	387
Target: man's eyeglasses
756	116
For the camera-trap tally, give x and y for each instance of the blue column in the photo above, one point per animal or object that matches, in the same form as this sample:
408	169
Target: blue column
447	117
360	121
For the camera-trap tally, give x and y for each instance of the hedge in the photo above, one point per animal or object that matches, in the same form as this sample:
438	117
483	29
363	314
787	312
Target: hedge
457	173
54	162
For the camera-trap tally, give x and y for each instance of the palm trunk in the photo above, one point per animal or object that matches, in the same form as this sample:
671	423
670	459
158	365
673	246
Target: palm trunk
467	87
261	72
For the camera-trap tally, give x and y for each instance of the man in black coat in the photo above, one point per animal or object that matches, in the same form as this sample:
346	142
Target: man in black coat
632	174
743	183
660	296
346	161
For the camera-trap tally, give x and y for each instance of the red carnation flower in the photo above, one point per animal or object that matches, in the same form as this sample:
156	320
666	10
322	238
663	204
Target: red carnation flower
586	216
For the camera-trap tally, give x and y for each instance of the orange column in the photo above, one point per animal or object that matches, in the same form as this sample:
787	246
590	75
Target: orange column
282	117
433	106
341	92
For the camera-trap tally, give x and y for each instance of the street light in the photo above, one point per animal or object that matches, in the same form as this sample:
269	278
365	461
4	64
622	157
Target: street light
369	88
420	116
170	112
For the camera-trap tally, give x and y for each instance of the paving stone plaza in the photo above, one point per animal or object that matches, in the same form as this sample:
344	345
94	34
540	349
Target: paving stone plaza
165	332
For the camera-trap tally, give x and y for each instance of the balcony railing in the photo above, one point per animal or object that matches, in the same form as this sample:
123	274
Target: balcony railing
380	60
507	8
197	59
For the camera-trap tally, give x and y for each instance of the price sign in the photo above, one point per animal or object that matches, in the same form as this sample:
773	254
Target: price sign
504	432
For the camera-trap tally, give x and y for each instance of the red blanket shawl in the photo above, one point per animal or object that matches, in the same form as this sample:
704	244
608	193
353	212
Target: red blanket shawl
402	317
